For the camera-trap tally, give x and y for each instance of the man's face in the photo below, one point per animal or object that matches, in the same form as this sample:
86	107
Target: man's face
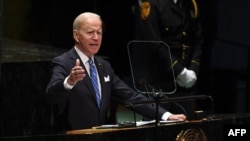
89	36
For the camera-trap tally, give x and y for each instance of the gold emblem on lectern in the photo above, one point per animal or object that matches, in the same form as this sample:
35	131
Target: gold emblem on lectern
191	135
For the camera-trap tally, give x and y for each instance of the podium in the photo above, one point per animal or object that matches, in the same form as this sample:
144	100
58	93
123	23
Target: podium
211	129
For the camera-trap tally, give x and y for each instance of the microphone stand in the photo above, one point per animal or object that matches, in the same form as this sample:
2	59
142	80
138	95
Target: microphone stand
157	100
175	99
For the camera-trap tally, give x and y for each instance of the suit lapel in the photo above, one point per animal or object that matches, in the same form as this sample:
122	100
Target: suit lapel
87	81
89	85
100	73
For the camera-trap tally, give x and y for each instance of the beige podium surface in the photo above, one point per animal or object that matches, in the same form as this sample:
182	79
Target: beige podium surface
101	129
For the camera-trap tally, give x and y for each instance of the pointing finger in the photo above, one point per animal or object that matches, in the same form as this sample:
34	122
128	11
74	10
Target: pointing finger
77	62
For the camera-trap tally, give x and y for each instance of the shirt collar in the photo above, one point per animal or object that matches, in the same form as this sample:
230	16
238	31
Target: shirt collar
83	57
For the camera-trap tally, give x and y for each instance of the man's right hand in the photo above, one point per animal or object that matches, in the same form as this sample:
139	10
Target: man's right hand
77	73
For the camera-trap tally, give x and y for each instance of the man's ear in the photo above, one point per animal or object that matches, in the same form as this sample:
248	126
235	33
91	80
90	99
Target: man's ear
75	35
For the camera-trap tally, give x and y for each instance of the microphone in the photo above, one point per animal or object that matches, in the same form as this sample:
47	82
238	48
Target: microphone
144	82
158	93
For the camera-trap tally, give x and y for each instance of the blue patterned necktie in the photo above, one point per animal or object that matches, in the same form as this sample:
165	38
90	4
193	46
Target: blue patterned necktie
93	75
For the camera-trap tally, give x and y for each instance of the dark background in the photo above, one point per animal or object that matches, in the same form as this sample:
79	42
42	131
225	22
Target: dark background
34	31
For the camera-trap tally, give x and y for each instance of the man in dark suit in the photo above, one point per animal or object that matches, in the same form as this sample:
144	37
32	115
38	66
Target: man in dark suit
177	23
70	89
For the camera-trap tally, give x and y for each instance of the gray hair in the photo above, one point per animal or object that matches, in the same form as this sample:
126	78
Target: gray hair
79	20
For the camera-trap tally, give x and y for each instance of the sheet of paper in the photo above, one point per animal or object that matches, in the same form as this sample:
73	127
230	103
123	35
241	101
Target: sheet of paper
141	123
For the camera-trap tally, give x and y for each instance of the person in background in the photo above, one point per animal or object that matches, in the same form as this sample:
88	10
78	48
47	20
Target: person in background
177	23
77	102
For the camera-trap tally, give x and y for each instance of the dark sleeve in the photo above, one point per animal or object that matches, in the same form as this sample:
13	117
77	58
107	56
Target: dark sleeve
55	90
197	49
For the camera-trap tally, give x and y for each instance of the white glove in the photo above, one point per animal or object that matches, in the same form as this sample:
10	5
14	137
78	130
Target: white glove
179	82
186	78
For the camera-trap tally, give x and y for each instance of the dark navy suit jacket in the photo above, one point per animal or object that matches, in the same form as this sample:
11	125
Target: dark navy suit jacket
77	108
